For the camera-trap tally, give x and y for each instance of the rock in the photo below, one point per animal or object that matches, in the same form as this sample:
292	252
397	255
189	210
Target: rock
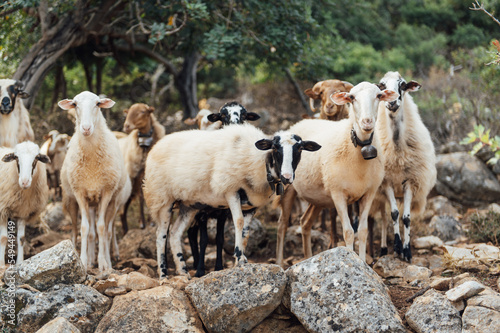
45	241
81	305
487	298
102	285
412	273
388	266
53	216
58	325
441	283
237	299
480	319
433	312
139	243
272	325
427	242
115	291
440	205
161	309
293	241
60	264
336	291
435	262
148	271
445	227
257	240
464	291
459	305
467	258
466	179
136	281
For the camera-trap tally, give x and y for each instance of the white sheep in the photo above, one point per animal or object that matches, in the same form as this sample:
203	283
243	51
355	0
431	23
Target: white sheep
15	124
410	161
93	174
144	131
55	147
236	167
347	168
23	191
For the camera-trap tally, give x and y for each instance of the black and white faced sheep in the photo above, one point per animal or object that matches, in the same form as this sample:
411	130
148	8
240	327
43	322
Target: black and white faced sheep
349	167
236	167
23	191
15	123
410	171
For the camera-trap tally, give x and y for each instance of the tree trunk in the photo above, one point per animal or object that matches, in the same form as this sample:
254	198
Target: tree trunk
185	82
299	92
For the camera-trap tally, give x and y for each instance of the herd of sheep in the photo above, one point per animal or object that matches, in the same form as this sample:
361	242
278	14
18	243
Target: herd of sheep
369	147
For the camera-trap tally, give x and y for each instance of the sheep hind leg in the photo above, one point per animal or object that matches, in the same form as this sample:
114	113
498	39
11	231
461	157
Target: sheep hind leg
287	201
306	223
406	221
200	267
186	216
364	209
20	241
92	239
234	204
341	206
193	239
398	245
165	216
383	232
219	238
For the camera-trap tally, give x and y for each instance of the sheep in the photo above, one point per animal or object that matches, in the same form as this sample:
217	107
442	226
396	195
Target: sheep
24	191
236	167
15	124
347	168
55	147
323	90
93	174
410	161
229	113
144	131
202	122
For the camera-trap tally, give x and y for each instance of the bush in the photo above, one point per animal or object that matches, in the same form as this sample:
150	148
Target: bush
485	228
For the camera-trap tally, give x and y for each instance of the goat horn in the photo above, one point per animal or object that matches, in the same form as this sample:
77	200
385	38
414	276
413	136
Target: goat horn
311	104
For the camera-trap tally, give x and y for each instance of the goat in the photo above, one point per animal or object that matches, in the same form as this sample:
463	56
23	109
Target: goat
236	167
23	191
322	90
410	161
347	169
144	131
93	174
15	124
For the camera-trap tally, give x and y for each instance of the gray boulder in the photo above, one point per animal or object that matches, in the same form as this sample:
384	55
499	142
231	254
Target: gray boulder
161	309
446	227
81	305
433	312
257	240
237	299
58	265
293	241
466	179
482	313
336	291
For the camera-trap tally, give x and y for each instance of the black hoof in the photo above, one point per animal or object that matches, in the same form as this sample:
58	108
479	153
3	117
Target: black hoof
383	251
407	254
199	273
355	224
398	245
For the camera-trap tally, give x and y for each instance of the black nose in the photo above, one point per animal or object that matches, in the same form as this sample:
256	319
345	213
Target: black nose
5	102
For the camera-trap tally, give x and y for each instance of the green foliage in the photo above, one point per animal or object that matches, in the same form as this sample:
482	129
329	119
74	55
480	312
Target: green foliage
480	137
485	228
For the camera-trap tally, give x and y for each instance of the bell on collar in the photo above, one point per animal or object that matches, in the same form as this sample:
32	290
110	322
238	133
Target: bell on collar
279	189
369	152
145	142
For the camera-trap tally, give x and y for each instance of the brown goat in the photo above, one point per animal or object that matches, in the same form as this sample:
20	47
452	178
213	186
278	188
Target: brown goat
144	131
322	90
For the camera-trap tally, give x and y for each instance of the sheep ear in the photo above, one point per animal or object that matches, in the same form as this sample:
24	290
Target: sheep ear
252	116
341	98
43	158
190	121
46	137
66	104
151	109
311	94
348	86
388	95
106	103
214	117
22	94
412	86
264	144
9	157
310	146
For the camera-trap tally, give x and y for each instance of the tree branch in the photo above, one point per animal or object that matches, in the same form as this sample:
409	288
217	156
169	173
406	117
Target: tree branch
480	7
150	53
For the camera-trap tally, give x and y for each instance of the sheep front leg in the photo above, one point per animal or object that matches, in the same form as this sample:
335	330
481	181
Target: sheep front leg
84	229
383	231
306	223
398	245
20	241
364	209
406	221
286	203
165	216
237	215
3	240
183	221
102	258
91	239
341	206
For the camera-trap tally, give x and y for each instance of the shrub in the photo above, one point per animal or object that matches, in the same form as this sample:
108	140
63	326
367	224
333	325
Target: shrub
485	228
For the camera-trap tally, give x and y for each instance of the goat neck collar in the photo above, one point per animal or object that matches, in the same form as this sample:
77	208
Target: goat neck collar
367	150
274	182
145	140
